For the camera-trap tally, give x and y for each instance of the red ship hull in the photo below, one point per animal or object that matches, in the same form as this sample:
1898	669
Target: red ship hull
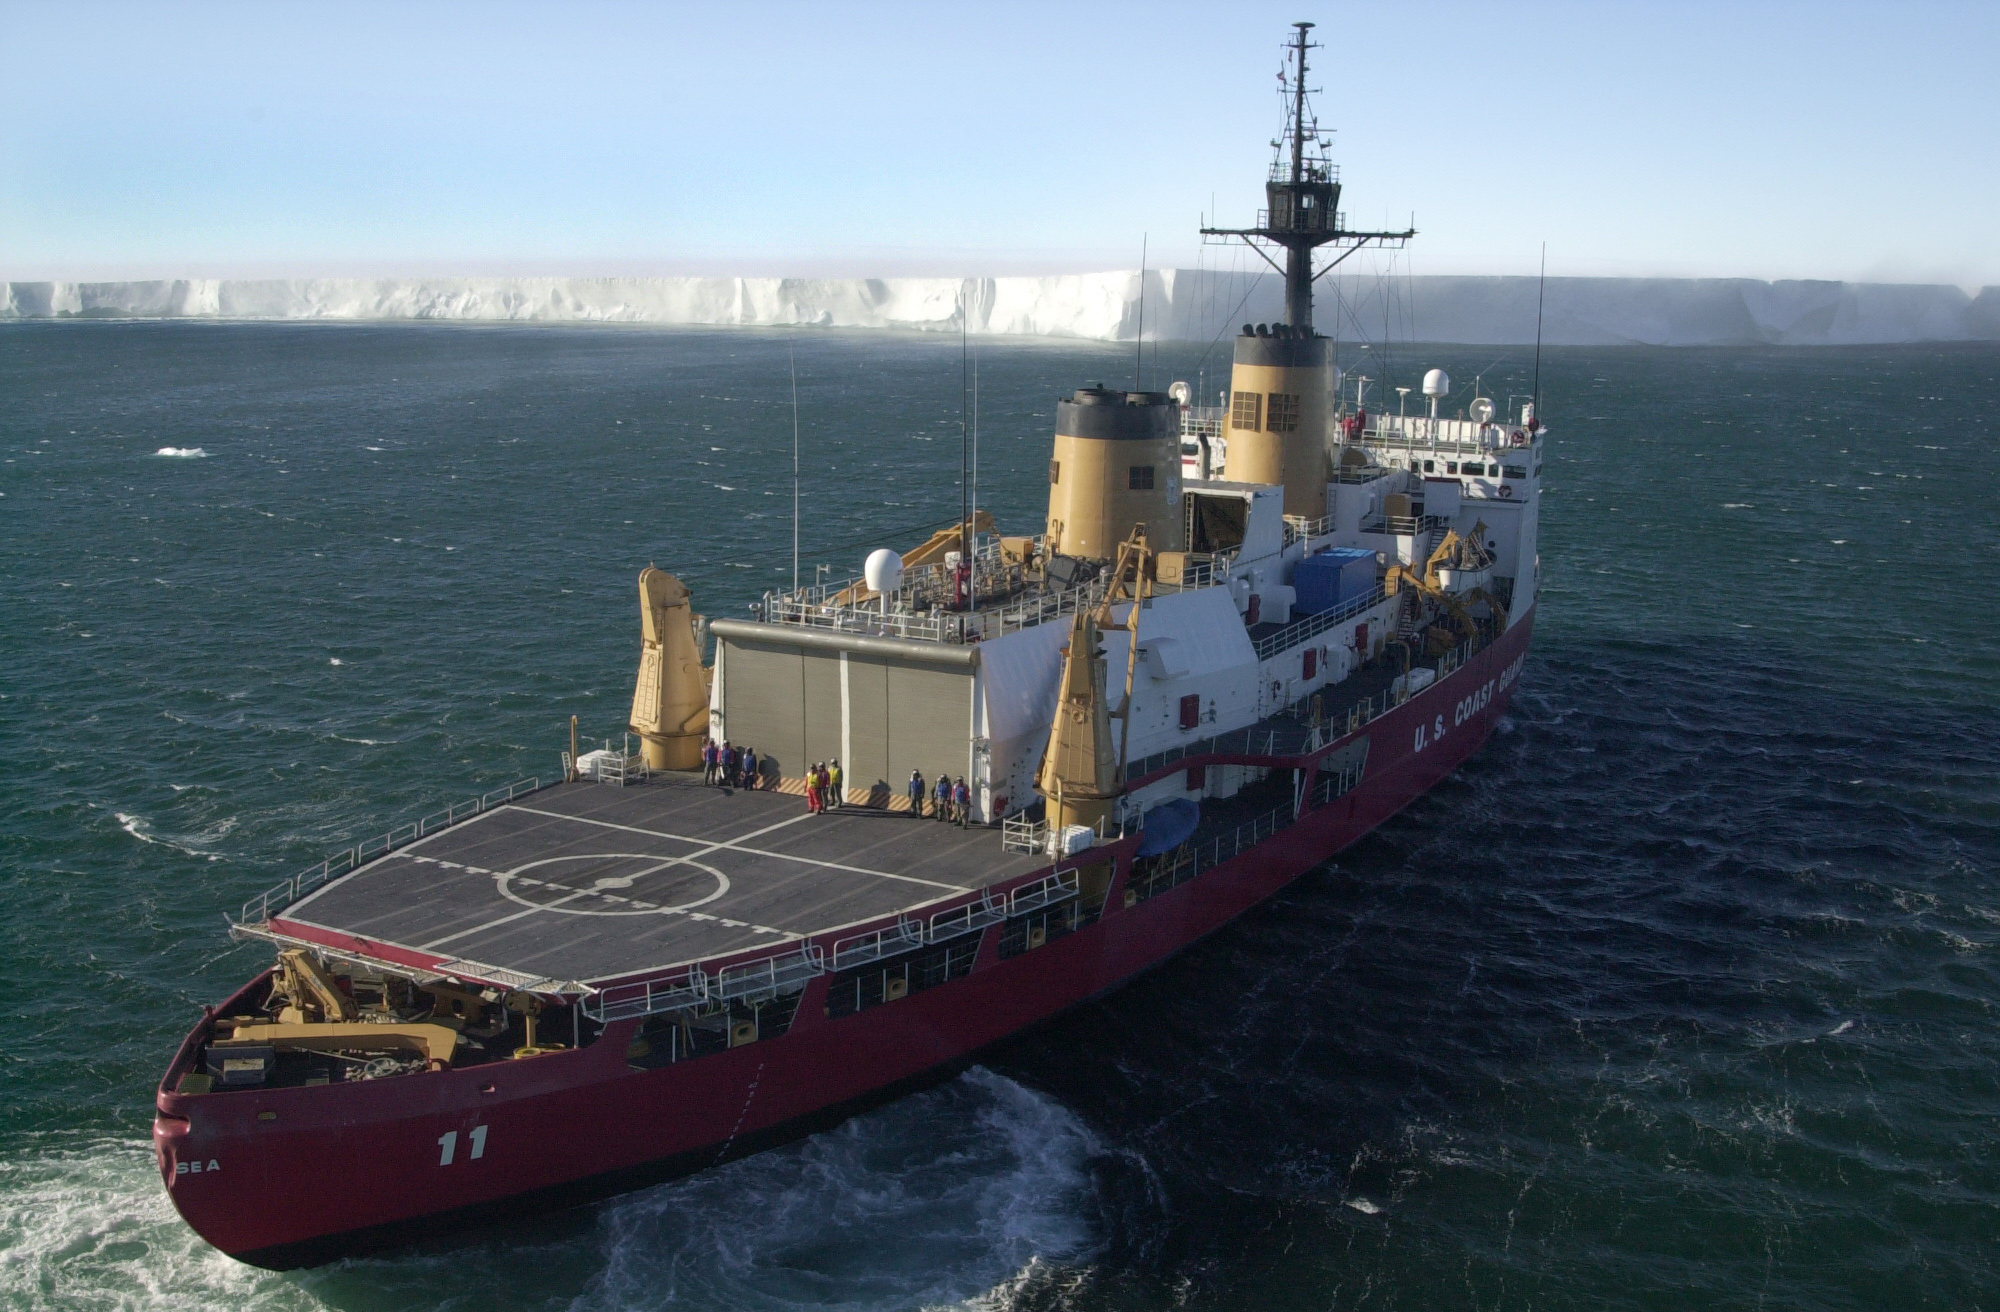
294	1176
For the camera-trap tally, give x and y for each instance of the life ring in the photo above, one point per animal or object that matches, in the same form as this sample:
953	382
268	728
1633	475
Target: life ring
1506	493
1520	438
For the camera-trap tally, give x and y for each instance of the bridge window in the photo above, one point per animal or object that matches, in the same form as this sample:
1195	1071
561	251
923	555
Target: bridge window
1244	409
1140	478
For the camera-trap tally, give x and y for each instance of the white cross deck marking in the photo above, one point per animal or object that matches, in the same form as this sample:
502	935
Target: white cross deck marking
593	892
737	845
692	915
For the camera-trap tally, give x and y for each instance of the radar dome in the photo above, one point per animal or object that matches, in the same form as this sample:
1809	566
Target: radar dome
883	571
1437	383
1482	410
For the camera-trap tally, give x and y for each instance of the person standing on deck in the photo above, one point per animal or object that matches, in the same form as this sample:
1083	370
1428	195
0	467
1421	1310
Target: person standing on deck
730	761
750	773
917	794
943	799
812	788
835	797
961	803
708	760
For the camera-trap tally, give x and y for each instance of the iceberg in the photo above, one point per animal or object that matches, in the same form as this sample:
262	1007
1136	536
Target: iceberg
1179	304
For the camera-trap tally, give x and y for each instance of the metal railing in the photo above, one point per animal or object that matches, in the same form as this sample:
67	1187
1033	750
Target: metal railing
1313	625
903	936
1402	525
645	998
1299	528
1227	847
1044	892
766	978
967	919
1459	436
1253	741
931	626
276	898
1020	834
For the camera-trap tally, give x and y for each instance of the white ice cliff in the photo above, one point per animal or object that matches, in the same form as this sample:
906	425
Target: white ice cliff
1180	304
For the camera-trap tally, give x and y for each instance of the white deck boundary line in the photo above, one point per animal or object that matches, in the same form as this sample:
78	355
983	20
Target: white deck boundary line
563	901
736	845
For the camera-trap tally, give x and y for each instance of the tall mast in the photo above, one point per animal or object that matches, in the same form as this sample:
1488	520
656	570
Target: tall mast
1302	198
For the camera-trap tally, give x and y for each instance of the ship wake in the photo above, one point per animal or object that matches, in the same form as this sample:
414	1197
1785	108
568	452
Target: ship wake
959	1196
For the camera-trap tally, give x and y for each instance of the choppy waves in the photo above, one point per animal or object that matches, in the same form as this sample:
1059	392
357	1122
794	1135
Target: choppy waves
88	1227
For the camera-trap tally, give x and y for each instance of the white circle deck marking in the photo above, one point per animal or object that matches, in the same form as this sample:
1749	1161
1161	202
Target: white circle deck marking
595	891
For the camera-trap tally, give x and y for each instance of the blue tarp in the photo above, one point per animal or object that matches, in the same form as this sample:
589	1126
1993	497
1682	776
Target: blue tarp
1168	825
1332	578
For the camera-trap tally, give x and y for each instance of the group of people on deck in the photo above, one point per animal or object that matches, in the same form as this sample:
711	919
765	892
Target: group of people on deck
824	785
726	765
951	801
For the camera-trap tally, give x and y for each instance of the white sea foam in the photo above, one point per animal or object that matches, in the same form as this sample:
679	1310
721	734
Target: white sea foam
141	828
949	1197
972	1195
91	1228
183	452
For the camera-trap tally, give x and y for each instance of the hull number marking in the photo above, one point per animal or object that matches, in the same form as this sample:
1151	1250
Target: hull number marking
448	1144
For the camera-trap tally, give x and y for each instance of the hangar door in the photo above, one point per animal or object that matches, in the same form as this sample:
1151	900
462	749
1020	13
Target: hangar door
880	715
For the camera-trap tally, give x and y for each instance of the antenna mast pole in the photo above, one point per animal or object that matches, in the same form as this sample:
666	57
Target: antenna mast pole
1541	288
792	353
1139	354
964	446
1302	199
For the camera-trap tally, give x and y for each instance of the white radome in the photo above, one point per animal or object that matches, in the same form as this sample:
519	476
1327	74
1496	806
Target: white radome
883	570
1437	383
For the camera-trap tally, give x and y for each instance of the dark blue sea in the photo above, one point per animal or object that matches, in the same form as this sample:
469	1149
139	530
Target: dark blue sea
1683	993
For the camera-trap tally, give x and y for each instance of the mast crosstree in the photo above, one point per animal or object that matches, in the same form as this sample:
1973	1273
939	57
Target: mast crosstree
1302	198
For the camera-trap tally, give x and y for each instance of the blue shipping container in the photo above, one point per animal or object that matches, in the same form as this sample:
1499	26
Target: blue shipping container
1331	579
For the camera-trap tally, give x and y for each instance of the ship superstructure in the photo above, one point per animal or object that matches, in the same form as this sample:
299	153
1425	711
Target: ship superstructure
1182	691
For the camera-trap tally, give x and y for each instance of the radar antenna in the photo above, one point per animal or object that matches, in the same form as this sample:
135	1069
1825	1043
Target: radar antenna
1303	198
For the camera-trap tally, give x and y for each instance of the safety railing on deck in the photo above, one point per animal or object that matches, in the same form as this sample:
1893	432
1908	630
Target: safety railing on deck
1299	528
624	1001
973	916
1046	891
1407	432
275	899
930	626
1227	847
762	980
903	936
1403	526
1313	625
1020	834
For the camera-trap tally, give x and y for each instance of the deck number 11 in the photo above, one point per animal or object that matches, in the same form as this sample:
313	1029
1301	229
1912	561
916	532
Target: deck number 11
448	1144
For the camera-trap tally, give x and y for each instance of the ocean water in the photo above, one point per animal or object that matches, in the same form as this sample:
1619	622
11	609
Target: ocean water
1681	994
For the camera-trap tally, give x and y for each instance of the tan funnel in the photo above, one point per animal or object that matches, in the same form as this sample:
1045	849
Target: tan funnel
1280	398
670	705
1117	463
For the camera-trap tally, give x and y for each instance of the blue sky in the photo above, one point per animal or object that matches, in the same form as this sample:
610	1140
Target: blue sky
1764	140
